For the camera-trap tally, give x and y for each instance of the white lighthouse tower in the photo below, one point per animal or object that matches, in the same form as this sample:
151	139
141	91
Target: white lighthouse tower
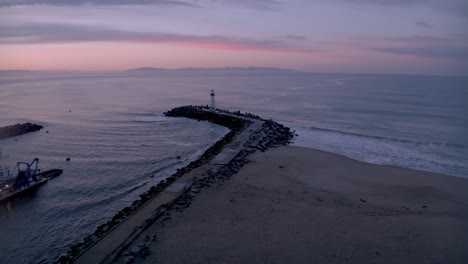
212	105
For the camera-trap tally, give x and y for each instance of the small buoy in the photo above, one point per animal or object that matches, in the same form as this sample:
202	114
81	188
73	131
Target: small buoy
67	159
69	111
178	157
47	131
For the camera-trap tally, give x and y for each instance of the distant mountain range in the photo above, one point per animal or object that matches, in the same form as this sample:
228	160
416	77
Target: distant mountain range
147	69
225	69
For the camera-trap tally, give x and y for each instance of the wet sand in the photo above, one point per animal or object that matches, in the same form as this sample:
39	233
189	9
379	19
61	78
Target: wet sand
299	205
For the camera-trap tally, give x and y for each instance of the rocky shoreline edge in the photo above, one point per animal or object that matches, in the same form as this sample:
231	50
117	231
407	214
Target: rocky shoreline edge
270	134
18	129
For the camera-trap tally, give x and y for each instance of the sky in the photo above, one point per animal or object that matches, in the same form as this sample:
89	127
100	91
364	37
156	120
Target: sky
349	36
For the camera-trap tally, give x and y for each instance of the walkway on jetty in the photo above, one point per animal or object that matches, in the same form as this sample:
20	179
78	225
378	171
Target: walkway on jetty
249	133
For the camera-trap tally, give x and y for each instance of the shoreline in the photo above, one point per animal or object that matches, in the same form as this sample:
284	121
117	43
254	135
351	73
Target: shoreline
121	238
379	164
301	205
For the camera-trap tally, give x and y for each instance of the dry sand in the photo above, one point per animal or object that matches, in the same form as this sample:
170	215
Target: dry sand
299	205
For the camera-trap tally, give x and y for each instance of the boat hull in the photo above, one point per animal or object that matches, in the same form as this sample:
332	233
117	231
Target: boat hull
50	174
7	196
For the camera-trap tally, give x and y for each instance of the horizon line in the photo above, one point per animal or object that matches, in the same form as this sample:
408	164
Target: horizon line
129	71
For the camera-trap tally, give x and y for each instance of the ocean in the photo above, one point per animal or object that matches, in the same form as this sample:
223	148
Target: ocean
112	127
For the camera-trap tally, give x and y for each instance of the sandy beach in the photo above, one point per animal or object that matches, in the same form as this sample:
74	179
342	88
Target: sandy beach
300	205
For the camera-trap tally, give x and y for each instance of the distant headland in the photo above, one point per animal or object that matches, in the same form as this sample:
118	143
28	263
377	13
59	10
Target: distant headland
223	69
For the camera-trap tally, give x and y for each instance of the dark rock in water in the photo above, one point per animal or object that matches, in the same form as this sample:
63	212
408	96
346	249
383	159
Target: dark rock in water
18	129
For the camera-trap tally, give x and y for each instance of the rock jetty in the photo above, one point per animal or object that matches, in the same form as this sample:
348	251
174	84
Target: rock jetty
269	134
18	129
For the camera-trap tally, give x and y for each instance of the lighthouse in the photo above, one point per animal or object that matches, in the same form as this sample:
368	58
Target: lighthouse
212	105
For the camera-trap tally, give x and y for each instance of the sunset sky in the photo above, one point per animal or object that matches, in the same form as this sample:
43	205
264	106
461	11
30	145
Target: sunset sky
362	36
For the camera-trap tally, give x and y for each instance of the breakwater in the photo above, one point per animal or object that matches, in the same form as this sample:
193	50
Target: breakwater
18	129
271	134
267	134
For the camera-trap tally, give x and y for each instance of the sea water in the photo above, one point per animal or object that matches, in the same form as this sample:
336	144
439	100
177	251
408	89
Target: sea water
120	144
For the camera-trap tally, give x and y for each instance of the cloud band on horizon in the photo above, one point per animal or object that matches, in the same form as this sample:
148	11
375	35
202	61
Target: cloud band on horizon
263	5
59	33
11	3
419	46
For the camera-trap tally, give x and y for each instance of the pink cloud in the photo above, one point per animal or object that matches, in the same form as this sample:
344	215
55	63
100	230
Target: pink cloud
53	33
226	45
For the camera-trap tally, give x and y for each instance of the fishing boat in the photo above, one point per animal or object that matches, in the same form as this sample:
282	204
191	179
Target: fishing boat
27	179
